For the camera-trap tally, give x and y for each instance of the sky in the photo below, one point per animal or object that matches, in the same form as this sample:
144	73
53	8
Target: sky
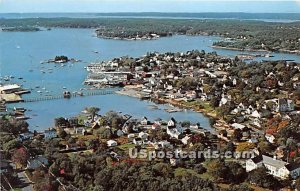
257	6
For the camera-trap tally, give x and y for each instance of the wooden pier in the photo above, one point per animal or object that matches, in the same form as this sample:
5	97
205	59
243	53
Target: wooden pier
94	93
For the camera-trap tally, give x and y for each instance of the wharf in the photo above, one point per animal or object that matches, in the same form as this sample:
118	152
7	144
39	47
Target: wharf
11	98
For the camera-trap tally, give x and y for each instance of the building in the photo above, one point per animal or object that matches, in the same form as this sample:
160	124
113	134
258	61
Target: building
37	162
50	134
112	143
138	141
8	89
25	136
5	167
277	168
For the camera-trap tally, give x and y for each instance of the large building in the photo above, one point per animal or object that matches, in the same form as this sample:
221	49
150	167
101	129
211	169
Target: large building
275	167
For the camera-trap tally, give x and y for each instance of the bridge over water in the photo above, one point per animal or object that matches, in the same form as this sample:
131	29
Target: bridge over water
72	95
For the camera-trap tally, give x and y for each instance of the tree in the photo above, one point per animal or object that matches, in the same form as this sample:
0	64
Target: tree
60	121
217	169
237	135
92	111
237	173
20	157
297	184
241	187
261	178
264	147
61	133
10	145
199	168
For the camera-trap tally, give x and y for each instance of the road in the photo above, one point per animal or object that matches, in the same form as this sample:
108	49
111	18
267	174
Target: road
25	184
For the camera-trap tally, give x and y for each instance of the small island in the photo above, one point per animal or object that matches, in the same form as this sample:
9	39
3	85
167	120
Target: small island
60	60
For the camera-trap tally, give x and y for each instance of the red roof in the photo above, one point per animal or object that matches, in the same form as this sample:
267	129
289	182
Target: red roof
62	171
271	131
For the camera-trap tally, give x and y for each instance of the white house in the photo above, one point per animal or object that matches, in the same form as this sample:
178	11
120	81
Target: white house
238	126
172	122
270	138
185	140
255	114
144	121
275	167
112	143
174	131
50	133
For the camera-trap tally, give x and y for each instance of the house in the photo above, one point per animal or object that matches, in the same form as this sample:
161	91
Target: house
162	145
284	105
143	135
255	114
49	134
36	162
275	167
137	141
270	138
174	161
144	121
252	140
79	130
119	133
73	122
174	131
155	126
185	140
25	136
172	122
111	143
238	126
5	167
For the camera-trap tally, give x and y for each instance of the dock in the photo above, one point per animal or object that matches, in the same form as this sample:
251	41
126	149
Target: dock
72	95
11	98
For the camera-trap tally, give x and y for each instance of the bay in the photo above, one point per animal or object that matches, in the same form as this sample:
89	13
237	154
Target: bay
22	52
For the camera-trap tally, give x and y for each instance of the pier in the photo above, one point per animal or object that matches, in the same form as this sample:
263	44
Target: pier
75	94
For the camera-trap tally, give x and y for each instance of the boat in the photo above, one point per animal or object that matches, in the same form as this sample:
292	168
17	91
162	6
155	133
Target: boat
6	78
22	117
21	109
95	51
64	87
39	91
67	94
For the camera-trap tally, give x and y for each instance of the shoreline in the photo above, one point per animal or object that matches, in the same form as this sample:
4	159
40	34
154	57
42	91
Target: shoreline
259	50
129	91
